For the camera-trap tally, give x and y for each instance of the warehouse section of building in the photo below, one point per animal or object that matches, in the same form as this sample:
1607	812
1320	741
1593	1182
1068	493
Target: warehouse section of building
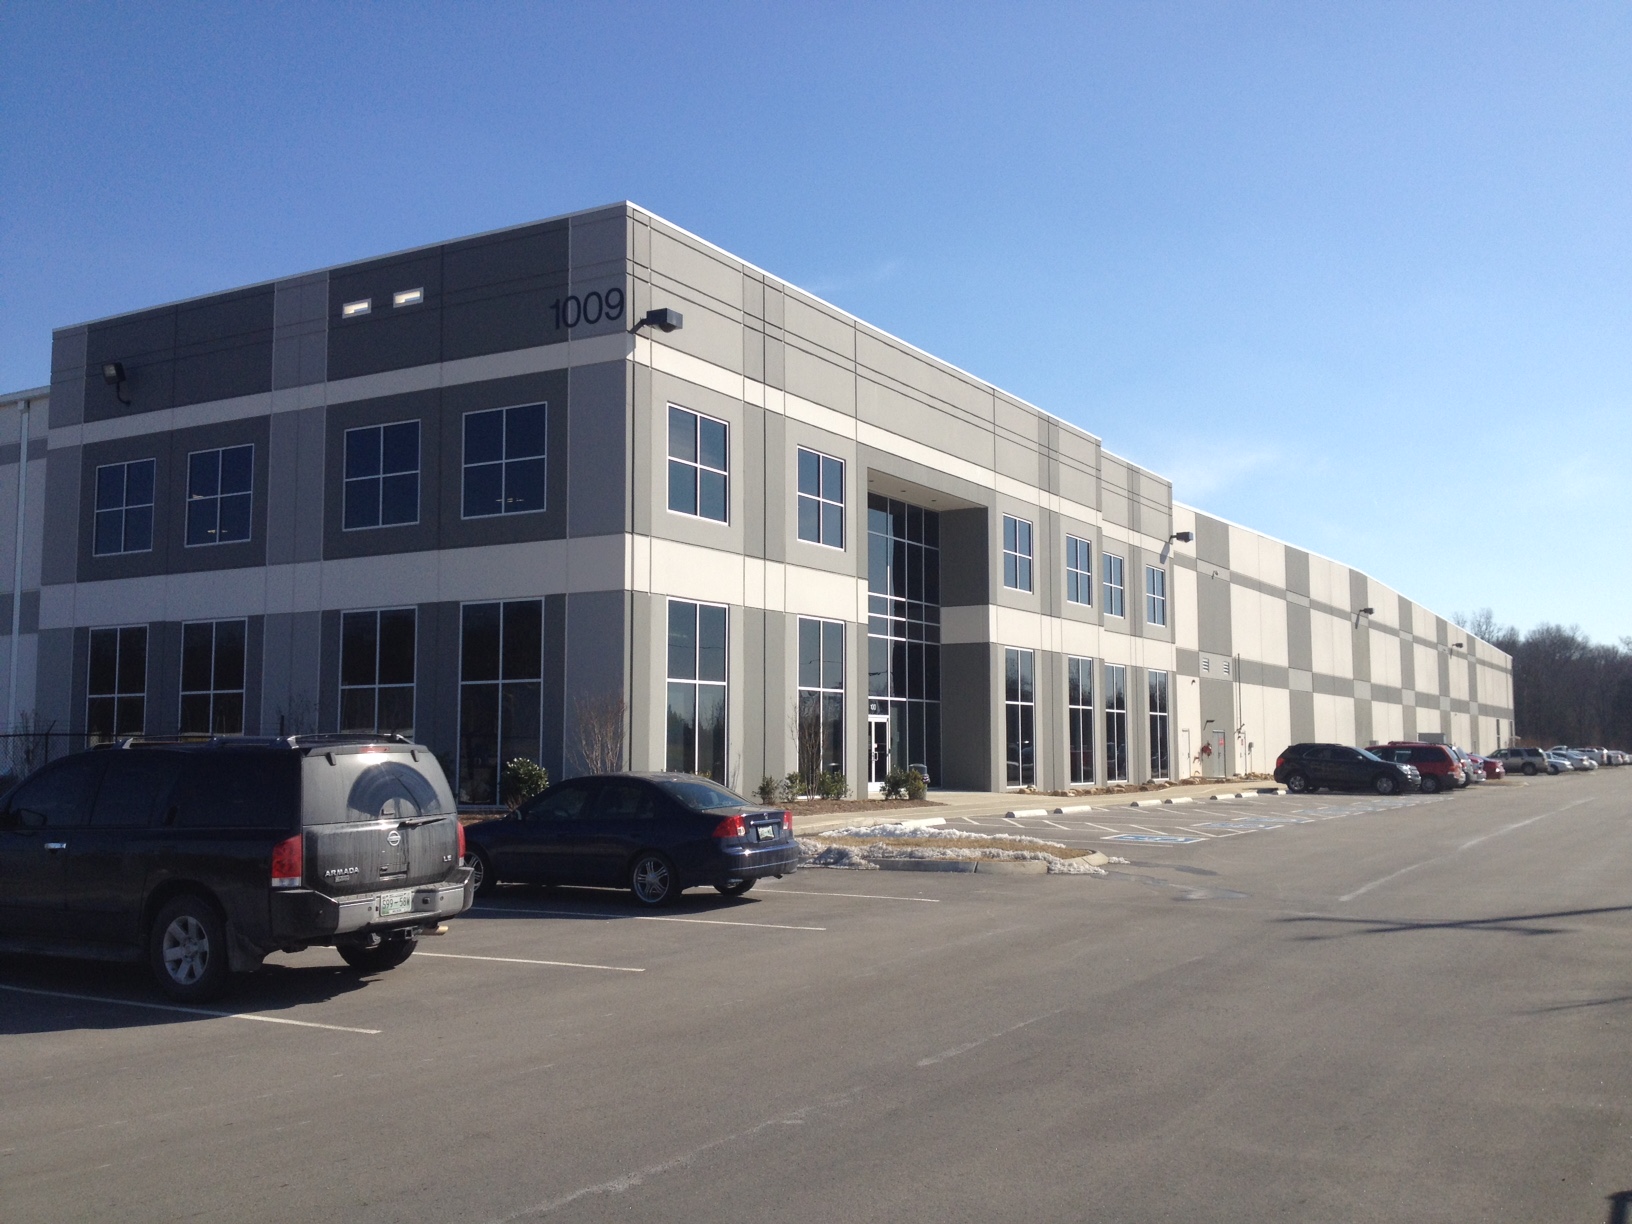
481	494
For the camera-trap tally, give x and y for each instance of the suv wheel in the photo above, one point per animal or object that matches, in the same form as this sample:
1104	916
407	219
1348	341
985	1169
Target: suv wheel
387	954
1529	769
734	888
187	949
1430	783
1297	783
653	881
1384	785
481	872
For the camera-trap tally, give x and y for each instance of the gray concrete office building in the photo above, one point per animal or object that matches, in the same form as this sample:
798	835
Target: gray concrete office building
462	492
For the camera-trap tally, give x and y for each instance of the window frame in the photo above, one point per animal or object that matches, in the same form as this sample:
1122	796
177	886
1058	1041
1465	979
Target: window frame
187	514
1079	717
1115	589
822	696
819	498
696	682
1079	578
1156	600
214	692
118	694
1019	717
504	462
1023	554
1160	724
412	686
125	506
499	683
379	478
1116	716
696	464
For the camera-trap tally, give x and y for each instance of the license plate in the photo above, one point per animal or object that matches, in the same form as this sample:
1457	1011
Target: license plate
396	903
766	832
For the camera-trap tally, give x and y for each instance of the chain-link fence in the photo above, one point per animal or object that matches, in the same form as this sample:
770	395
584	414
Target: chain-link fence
22	752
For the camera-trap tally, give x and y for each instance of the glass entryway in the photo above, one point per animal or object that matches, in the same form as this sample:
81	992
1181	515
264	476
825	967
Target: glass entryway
878	738
903	636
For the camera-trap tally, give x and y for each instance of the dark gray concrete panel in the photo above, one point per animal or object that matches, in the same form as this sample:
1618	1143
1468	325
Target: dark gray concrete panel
503	291
300	331
291	648
598	441
145	344
1408	664
758	716
1363	733
309	504
387	337
282	487
424	407
966	717
436	682
1217	714
1212	541
54	678
73	701
1300	649
168	503
549	387
224	346
254	669
164	677
1188	662
557	692
594	654
59	556
1303	717
1212	613
965	559
28	617
328	671
68	372
1297	571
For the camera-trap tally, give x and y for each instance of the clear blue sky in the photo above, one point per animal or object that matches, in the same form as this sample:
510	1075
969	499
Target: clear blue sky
1354	275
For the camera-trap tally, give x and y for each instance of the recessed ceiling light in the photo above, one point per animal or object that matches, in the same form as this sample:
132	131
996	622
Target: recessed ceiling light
360	307
407	297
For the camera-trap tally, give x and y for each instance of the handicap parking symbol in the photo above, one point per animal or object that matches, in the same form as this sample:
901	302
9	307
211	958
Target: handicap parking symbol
1161	839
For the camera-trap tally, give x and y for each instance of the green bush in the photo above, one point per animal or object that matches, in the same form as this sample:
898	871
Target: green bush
833	785
522	780
790	788
895	784
767	790
916	787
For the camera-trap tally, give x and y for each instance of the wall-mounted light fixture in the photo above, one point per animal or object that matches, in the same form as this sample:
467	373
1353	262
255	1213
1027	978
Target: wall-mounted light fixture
1183	537
1359	612
664	319
113	373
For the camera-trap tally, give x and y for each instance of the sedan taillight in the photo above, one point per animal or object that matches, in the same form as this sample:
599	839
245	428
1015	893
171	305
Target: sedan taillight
787	821
289	862
731	826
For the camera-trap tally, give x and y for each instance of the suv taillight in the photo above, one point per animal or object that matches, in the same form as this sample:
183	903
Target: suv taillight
1279	761
731	826
289	862
460	826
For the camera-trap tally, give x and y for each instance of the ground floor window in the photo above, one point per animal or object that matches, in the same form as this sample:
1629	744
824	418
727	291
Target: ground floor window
212	677
1116	723
696	674
821	697
1158	724
1079	716
501	693
116	683
1020	715
377	671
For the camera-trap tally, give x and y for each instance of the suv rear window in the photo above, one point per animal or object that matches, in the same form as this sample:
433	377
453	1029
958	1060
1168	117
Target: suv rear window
362	786
1430	756
237	790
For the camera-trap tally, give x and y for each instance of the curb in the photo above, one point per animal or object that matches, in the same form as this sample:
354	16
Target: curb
1026	812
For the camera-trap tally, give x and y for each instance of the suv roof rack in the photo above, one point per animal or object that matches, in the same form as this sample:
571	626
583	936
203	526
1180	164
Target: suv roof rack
200	740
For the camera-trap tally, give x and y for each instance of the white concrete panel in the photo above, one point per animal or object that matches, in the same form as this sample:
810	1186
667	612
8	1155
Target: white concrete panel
1017	628
1427	668
1385	658
690	572
814	592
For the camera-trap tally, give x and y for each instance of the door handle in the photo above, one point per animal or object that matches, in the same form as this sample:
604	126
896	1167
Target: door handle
55	846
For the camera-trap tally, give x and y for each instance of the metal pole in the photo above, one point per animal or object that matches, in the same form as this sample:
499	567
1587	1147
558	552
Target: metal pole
17	566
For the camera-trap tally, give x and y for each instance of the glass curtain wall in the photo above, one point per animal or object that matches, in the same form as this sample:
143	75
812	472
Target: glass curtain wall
1079	714
1158	724
696	666
821	697
501	693
1116	723
1020	716
904	629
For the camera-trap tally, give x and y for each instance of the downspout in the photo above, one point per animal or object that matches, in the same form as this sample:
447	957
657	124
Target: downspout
17	566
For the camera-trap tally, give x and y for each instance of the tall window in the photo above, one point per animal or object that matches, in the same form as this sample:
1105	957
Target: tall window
697	689
1116	723
501	692
382	476
124	508
1016	553
1079	717
1114	591
1155	595
1020	715
212	677
821	696
904	632
219	484
1158	724
505	460
116	683
821	498
377	671
1079	571
697	465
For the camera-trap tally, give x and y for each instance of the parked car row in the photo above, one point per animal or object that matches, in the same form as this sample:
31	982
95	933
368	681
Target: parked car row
203	857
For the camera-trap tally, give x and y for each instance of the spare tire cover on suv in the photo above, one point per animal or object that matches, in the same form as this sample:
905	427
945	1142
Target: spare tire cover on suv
392	790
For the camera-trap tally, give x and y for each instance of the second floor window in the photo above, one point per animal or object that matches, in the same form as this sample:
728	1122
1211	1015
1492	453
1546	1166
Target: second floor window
505	457
1155	595
382	475
1079	572
1115	591
124	508
218	495
1016	553
698	465
821	498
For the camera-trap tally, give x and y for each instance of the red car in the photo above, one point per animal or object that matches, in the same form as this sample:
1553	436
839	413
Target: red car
1437	764
1494	769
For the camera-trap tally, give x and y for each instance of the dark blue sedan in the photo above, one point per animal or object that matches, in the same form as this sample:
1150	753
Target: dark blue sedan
652	833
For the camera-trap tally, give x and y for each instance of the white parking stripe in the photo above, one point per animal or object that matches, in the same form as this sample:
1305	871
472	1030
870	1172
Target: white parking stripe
517	960
773	926
191	1011
810	892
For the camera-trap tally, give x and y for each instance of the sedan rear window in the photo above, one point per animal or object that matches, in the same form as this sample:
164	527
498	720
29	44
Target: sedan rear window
700	795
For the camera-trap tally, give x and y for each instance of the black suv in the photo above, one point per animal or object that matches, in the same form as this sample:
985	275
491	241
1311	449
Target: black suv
203	857
1307	767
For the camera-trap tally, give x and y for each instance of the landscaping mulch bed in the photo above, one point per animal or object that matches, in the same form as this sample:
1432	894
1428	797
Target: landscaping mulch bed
822	807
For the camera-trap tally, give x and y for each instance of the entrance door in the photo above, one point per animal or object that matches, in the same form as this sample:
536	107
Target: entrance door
878	728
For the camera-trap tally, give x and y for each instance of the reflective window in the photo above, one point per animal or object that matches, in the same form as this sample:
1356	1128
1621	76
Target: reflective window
212	677
1155	595
1114	590
116	683
501	693
1116	723
1017	555
821	498
1079	571
698	465
1156	704
382	476
697	689
1079	717
377	671
1020	715
821	697
124	508
505	460
219	484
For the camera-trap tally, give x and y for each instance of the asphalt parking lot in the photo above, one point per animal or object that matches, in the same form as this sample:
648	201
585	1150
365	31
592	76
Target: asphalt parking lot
1311	1008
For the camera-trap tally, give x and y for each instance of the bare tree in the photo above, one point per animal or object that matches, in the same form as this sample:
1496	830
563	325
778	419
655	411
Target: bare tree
805	724
599	731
